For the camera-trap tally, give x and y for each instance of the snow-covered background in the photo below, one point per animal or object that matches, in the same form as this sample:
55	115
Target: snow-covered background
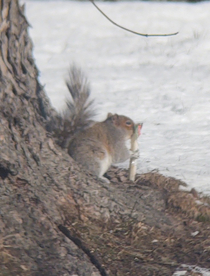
163	82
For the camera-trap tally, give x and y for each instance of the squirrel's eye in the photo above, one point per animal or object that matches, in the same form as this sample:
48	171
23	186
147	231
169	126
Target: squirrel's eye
128	123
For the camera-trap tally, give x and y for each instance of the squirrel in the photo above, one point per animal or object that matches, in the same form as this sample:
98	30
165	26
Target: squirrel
95	145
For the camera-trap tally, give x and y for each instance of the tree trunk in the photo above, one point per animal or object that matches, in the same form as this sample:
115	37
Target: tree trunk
55	218
34	174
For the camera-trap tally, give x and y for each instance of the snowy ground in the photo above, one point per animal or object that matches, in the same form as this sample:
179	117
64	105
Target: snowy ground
163	82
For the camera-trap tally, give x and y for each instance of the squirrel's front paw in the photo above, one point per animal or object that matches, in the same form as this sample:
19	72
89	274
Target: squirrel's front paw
134	154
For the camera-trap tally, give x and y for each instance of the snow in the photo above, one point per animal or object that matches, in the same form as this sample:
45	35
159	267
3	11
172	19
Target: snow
196	270
163	82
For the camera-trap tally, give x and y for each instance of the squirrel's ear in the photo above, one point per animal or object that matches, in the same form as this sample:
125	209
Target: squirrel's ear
109	115
115	119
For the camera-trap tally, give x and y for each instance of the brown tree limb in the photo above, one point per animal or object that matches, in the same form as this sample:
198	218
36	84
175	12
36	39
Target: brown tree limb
126	29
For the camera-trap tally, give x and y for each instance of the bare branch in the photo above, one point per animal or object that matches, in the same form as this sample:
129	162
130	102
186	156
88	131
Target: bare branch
128	30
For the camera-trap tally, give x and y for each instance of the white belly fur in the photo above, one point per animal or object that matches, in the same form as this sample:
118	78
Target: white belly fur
105	164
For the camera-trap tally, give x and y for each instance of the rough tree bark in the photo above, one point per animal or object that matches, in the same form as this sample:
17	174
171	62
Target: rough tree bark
55	218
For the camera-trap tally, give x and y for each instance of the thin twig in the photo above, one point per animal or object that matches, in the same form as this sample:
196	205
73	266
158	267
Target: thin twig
128	30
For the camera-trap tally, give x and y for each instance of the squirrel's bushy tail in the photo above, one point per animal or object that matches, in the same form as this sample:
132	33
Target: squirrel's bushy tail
78	111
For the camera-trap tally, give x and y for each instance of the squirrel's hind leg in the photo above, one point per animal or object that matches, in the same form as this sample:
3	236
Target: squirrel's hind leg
105	163
104	179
